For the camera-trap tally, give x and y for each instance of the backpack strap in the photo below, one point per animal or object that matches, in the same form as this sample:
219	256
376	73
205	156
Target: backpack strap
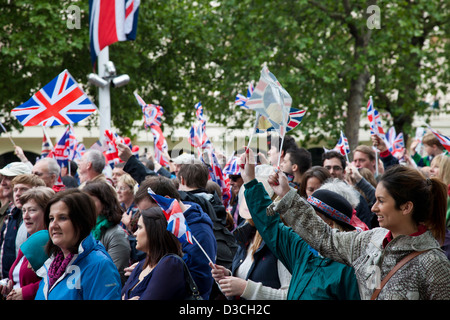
402	262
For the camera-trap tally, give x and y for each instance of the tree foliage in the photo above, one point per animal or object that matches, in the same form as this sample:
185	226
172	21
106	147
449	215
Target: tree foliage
322	52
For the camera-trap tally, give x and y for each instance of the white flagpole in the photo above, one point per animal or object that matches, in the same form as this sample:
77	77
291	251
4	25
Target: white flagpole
345	151
203	250
9	135
254	129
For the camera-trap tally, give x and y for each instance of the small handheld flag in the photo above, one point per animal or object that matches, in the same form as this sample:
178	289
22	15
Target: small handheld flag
176	222
444	140
342	146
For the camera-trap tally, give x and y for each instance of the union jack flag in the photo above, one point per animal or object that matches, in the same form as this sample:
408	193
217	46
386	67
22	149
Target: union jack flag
271	100
241	100
232	166
395	143
160	145
176	222
46	147
390	137
59	102
112	153
197	133
152	119
197	136
374	119
342	146
199	112
295	117
398	146
216	175
152	113
444	140
61	150
111	21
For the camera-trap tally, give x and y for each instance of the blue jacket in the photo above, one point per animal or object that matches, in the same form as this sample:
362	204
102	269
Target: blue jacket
202	229
91	275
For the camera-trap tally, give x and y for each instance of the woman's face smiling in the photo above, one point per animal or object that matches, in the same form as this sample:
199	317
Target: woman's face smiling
390	217
61	229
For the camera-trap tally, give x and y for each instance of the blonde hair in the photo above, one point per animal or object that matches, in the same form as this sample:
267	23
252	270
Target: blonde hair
444	168
129	181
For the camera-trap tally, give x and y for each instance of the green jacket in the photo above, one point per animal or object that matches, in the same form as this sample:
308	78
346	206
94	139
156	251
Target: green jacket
313	277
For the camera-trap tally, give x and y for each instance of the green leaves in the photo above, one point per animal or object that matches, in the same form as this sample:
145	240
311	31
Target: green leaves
187	52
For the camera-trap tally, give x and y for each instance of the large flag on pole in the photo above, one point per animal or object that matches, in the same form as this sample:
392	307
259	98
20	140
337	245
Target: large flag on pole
111	21
59	102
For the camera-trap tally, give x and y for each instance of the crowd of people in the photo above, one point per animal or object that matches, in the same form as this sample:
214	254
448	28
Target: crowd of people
333	231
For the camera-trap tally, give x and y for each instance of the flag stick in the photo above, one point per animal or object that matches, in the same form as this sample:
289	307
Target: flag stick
279	154
47	137
254	129
203	250
9	135
376	163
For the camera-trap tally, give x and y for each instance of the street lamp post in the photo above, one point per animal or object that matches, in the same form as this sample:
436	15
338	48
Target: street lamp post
104	80
104	98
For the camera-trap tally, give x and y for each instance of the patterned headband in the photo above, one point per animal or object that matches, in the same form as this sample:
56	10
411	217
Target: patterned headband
330	211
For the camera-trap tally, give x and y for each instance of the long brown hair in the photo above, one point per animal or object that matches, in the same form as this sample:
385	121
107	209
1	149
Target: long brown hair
160	241
108	198
429	196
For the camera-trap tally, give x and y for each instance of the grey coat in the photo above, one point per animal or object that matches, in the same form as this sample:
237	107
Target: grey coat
426	277
116	243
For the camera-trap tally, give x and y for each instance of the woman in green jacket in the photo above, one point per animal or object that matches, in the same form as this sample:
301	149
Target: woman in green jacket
313	277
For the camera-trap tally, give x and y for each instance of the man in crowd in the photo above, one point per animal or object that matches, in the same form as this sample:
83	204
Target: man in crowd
11	218
295	163
48	170
335	163
90	167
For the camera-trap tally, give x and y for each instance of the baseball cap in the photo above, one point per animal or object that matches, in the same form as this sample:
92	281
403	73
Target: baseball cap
14	169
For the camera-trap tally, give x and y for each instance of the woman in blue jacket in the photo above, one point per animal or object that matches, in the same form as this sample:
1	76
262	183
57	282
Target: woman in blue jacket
79	268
